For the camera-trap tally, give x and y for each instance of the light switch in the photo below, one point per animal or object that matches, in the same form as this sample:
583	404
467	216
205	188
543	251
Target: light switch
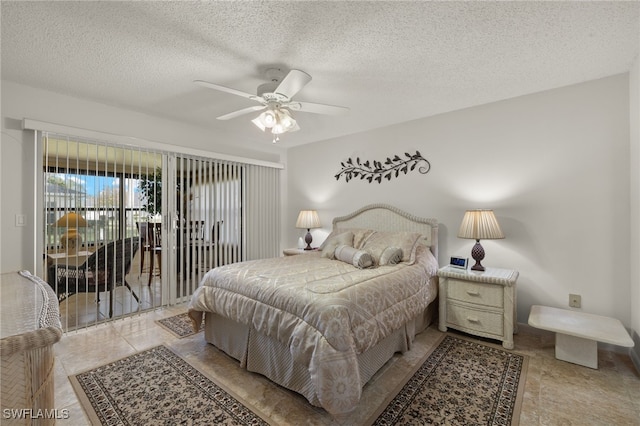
21	220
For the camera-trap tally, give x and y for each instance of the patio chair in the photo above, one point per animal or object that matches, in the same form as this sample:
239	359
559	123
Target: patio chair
151	240
102	271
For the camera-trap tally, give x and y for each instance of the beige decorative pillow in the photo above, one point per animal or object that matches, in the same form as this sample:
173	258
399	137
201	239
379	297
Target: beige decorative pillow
405	241
359	236
333	241
390	256
358	258
332	235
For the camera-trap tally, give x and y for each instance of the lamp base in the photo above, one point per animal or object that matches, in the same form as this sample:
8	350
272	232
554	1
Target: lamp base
477	252
307	239
71	241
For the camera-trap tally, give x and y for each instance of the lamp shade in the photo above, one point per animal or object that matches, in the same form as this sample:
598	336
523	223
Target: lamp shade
480	225
71	220
308	219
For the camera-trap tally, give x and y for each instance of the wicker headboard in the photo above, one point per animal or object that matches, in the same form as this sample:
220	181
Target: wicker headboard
383	217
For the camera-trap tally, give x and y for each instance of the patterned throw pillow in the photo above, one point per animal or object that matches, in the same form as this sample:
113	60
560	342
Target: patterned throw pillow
335	240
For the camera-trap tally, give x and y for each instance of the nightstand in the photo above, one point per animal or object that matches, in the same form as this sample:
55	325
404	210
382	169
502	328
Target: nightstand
479	303
295	251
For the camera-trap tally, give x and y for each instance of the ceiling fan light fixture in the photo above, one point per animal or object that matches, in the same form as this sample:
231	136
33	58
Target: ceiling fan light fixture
267	119
258	123
286	120
278	129
278	120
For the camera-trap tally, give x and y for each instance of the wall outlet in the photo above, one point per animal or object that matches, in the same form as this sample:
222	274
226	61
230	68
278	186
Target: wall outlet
575	300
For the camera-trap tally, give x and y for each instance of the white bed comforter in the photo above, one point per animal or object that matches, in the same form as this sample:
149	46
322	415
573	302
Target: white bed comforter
325	311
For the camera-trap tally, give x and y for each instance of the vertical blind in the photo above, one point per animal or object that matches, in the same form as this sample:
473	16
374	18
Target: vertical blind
90	260
208	220
263	212
212	212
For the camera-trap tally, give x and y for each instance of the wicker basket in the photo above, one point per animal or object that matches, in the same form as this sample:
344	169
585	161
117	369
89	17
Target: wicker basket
30	325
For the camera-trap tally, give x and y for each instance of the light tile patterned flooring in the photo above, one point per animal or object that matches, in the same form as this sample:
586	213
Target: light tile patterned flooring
81	310
556	392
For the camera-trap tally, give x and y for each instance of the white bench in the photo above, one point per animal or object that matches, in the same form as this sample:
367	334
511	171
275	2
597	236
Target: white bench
578	333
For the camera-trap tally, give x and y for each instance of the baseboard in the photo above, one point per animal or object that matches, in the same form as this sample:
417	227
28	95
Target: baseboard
634	352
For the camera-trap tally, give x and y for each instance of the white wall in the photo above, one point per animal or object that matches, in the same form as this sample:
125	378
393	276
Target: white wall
17	244
553	165
634	114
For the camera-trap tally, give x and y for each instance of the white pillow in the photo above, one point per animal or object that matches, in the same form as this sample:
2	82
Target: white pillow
358	258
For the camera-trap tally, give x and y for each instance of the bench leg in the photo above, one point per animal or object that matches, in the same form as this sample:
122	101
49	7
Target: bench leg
577	350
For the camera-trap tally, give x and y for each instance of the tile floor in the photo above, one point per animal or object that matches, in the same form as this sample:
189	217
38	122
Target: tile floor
81	310
556	392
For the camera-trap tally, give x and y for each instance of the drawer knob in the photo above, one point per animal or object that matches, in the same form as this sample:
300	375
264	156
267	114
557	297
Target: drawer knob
473	319
473	293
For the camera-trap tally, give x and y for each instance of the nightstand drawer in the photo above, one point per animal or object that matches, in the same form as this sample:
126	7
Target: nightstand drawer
477	293
473	319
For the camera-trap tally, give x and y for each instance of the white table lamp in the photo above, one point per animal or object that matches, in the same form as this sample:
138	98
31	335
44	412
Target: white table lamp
308	219
479	225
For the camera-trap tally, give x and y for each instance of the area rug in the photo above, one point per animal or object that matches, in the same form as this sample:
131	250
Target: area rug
461	383
154	387
179	325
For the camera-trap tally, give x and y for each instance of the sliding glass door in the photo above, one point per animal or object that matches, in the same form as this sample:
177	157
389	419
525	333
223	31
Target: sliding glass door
95	201
127	229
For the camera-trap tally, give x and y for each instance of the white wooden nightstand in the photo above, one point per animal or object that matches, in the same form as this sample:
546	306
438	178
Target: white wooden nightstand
295	251
479	303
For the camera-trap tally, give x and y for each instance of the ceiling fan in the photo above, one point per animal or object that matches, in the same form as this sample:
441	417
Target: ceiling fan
275	97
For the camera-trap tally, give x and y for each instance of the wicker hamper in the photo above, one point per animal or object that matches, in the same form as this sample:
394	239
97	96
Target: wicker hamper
29	326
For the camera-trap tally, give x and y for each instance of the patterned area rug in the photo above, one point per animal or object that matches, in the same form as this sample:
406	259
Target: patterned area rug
179	325
461	383
155	387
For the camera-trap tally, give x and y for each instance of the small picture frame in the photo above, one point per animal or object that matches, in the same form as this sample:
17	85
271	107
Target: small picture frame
459	262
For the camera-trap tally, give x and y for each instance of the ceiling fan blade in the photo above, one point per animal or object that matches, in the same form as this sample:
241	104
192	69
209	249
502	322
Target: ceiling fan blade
225	89
293	82
318	108
241	112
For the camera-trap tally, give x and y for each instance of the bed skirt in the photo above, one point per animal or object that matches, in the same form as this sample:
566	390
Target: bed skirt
271	358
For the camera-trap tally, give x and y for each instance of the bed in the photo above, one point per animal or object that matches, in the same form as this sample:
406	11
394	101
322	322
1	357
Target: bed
322	324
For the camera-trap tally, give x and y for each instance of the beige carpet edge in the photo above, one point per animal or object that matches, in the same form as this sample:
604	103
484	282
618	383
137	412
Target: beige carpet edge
517	409
372	418
173	333
258	412
86	405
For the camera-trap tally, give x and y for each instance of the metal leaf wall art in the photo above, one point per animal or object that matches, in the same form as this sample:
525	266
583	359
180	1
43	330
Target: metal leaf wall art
375	171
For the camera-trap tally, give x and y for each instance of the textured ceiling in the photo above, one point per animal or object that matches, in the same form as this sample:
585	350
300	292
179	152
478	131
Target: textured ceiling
389	62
